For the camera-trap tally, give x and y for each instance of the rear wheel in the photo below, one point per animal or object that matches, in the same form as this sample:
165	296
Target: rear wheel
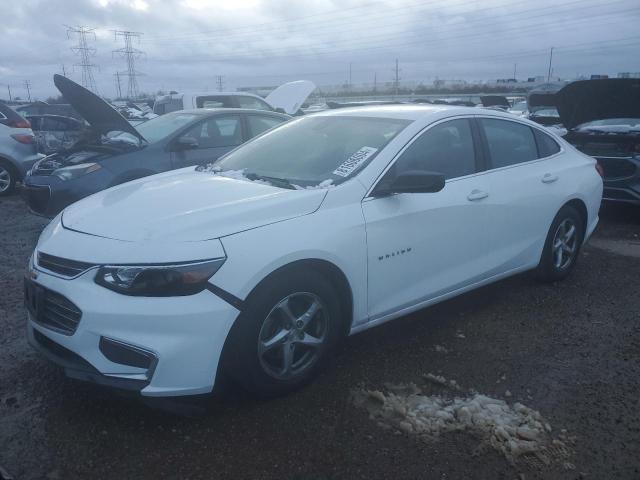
562	245
285	333
7	178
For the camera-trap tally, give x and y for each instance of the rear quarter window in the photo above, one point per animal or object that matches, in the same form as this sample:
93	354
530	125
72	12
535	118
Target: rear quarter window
510	143
547	146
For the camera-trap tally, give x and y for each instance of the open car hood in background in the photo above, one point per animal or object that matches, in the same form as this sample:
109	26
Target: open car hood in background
587	100
102	117
494	101
539	100
290	96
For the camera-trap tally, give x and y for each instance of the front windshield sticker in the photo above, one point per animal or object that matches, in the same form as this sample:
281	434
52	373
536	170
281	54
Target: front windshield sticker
354	161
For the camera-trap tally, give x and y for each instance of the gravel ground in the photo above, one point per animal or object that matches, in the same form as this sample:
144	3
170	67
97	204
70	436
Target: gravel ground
569	350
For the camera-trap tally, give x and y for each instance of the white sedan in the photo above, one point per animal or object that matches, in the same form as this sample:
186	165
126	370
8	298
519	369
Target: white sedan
333	223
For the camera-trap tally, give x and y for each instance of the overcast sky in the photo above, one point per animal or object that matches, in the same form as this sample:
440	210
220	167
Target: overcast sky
187	43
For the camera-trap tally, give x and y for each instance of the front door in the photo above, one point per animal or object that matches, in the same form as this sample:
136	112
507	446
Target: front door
423	245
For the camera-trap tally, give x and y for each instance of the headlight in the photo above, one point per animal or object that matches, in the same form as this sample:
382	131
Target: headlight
75	171
158	280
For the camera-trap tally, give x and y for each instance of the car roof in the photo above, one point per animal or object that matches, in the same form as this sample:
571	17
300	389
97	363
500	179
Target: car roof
215	111
412	112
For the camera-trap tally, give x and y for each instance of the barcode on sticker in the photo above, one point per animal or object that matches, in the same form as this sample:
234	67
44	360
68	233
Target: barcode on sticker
354	161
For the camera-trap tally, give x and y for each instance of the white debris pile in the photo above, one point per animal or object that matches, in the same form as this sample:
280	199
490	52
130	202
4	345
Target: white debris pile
514	430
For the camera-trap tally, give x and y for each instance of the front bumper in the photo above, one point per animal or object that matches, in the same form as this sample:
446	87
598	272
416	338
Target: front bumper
182	337
48	195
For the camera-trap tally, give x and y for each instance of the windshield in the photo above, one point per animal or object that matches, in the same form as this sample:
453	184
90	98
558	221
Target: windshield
314	150
158	128
610	122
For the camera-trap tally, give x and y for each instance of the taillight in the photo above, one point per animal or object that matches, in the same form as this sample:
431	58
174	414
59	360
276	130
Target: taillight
23	138
600	170
20	123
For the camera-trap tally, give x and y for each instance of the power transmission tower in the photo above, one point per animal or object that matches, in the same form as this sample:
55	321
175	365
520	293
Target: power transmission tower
220	82
85	52
550	69
27	85
118	86
9	88
375	82
130	54
396	80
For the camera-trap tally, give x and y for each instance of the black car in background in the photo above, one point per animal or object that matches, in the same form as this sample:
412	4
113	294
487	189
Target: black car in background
112	151
603	120
542	108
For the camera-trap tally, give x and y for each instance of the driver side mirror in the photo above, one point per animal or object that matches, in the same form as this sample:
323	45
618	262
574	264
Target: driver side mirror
186	143
411	181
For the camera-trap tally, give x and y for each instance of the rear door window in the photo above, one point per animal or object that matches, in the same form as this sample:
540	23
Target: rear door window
446	148
261	123
509	143
220	131
547	146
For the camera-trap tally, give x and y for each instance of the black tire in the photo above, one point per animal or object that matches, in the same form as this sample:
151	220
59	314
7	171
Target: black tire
7	170
242	361
550	269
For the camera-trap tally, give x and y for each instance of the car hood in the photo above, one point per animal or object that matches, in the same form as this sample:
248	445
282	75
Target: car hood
290	96
587	100
102	117
494	101
186	206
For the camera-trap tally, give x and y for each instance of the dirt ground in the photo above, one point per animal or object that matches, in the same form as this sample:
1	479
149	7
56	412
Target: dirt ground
569	350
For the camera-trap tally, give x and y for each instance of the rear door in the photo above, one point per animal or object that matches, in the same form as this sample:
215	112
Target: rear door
210	138
525	179
424	245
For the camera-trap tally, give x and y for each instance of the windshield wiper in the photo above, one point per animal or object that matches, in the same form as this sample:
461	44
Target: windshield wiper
278	182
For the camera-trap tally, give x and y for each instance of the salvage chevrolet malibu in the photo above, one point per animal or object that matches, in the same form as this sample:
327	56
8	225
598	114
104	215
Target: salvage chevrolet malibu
254	267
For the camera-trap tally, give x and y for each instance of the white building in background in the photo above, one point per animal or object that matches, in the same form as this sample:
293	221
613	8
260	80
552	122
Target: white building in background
629	75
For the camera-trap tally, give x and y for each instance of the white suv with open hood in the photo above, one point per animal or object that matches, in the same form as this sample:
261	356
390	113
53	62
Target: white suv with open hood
287	98
255	266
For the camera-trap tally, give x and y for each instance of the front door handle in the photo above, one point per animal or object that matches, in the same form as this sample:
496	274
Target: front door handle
549	178
476	195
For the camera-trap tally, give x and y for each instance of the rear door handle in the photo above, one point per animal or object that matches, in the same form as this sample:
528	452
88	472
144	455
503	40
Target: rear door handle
476	195
549	178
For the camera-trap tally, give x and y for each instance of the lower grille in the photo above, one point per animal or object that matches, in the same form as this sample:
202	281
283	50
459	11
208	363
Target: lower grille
37	198
50	309
615	168
62	266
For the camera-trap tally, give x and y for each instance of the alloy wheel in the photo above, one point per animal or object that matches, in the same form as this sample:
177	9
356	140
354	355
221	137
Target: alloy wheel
5	179
292	336
565	243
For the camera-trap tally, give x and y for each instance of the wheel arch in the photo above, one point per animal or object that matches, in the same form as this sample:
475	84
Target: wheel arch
331	272
581	207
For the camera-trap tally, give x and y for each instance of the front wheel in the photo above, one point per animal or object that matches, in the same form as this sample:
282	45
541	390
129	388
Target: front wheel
562	245
284	334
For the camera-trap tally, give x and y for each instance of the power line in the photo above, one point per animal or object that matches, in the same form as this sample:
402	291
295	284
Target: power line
430	37
381	19
130	55
85	52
